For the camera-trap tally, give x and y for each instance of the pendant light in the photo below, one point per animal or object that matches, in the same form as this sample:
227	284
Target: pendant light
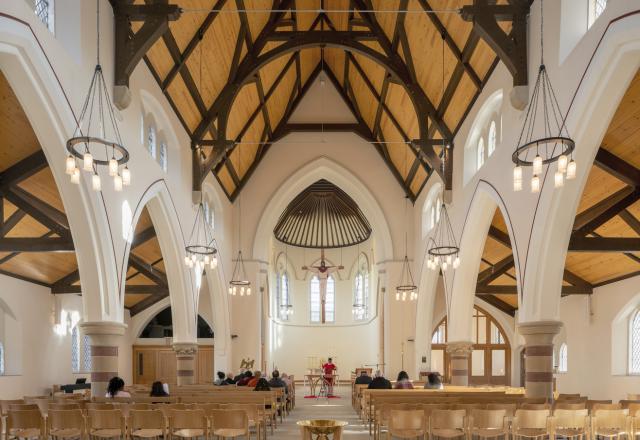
96	141
406	288
201	251
443	250
239	283
552	143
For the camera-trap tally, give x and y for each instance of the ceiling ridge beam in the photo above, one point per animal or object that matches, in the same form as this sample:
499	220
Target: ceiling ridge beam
35	244
579	243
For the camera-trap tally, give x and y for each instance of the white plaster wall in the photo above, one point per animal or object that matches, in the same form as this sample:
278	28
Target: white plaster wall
592	346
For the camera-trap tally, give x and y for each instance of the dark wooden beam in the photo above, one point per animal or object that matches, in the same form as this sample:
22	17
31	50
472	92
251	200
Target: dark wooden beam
65	282
630	220
495	271
579	243
597	215
33	244
130	49
574	279
147	302
512	47
23	278
499	304
617	167
22	170
146	269
513	290
143	236
499	236
156	291
41	211
12	221
292	35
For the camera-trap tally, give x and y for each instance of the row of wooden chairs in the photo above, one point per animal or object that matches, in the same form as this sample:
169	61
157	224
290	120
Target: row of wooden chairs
231	422
486	423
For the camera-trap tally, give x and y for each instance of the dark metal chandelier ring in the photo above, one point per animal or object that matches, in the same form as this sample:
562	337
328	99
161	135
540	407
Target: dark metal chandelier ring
443	251
568	145
115	147
239	283
406	288
201	249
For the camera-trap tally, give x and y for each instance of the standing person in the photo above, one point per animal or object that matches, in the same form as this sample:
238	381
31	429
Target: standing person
328	370
403	382
379	382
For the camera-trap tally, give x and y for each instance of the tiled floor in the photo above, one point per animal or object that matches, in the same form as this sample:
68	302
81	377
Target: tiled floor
337	409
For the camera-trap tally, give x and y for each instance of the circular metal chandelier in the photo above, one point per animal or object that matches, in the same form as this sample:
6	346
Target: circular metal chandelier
444	252
239	283
554	145
201	250
407	288
96	141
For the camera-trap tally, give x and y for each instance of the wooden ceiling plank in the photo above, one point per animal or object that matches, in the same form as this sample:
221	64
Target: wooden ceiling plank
498	304
12	221
492	289
191	46
495	271
147	302
22	170
594	217
44	213
574	279
23	278
146	269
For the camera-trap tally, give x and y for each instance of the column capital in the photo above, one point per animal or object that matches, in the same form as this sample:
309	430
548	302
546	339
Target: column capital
461	348
185	348
539	332
106	328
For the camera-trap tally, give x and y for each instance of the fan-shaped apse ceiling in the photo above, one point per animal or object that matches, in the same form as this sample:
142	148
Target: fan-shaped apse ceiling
322	217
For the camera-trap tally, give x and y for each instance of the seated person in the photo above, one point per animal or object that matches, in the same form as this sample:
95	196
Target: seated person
229	380
403	382
434	382
245	379
116	388
364	378
379	382
157	390
254	380
276	382
240	376
262	385
221	377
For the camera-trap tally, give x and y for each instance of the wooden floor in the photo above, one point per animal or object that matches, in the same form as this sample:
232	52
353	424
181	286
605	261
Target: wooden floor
337	409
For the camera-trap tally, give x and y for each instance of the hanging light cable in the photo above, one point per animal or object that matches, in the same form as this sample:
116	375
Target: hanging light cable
201	250
406	286
239	283
96	140
555	144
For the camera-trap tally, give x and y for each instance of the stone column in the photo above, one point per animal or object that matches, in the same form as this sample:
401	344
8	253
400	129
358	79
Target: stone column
186	355
459	353
538	350
104	337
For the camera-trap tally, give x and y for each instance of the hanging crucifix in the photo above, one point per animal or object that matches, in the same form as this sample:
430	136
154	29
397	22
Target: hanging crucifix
322	271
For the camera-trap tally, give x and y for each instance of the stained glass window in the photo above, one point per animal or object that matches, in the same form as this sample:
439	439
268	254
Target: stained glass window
634	343
598	7
163	158
491	141
44	11
151	141
75	350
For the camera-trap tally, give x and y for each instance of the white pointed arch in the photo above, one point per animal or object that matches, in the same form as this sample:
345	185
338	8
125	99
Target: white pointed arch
322	168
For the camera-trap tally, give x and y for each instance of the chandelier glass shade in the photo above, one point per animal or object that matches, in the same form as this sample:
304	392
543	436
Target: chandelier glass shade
96	142
406	288
239	284
443	251
201	249
544	138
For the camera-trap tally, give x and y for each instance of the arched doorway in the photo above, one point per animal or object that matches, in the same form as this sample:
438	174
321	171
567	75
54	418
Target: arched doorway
490	360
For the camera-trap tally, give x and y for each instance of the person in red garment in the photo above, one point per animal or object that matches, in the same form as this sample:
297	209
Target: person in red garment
328	370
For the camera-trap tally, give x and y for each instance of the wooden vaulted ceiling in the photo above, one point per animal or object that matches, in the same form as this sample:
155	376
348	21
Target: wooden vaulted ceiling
605	241
259	115
35	239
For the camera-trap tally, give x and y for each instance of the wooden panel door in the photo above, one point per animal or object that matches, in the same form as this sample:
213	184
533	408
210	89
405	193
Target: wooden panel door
144	370
167	366
204	367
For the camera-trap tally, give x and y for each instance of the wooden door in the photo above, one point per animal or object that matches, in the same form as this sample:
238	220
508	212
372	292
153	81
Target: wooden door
158	362
144	371
204	368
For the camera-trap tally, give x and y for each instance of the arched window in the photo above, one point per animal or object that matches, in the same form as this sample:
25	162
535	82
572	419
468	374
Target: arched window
86	353
284	303
634	343
315	306
596	8
330	301
562	359
490	356
208	214
361	295
44	10
480	154
1	359
151	140
162	157
75	350
491	140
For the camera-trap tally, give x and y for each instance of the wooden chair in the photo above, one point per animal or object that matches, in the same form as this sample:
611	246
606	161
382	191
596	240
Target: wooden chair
592	403
107	423
99	406
447	423
611	423
569	405
409	423
509	408
568	396
229	423
25	424
633	396
34	399
63	406
529	423
23	407
255	415
146	423
535	406
65	424
606	406
568	423
488	423
188	423
468	407
4	405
